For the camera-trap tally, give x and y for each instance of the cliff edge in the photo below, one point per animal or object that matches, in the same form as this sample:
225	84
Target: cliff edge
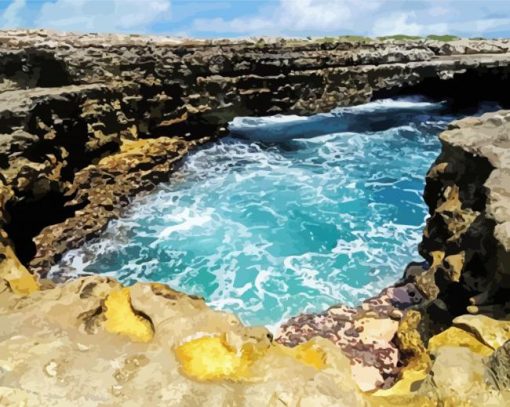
89	121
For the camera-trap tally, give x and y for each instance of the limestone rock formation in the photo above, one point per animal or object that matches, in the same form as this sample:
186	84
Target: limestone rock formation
466	240
88	121
92	342
69	100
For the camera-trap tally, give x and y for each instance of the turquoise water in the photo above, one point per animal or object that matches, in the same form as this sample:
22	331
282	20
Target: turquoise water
327	209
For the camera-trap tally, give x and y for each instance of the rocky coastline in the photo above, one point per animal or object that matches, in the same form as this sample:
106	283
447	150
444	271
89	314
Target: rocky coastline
89	121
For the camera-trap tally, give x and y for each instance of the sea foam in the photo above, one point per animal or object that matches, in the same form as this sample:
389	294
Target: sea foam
287	215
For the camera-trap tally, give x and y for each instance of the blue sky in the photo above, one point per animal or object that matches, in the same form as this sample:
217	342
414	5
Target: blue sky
245	18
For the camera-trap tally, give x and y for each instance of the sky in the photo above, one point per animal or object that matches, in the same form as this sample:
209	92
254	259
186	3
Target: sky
247	18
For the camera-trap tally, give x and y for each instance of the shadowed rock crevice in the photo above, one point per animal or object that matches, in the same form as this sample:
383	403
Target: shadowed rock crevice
32	67
91	126
459	243
462	90
29	217
51	71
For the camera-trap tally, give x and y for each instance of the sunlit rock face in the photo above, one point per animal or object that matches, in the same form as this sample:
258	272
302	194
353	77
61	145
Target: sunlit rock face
82	134
148	344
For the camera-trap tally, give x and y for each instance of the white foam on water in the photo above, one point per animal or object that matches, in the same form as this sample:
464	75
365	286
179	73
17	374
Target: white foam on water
185	221
411	102
240	123
270	231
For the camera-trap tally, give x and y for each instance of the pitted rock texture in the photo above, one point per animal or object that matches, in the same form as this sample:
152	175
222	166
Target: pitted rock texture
93	342
69	100
88	121
366	334
467	237
101	191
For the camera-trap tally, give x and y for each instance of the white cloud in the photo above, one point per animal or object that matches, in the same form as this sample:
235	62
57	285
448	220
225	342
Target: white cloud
294	16
236	25
406	23
11	17
272	17
366	17
310	14
396	24
102	15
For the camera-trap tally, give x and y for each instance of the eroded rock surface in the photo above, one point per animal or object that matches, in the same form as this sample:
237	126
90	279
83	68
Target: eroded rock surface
69	100
100	192
466	247
466	240
365	333
89	121
93	342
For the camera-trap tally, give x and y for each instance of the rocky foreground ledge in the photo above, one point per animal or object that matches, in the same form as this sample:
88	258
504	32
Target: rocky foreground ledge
89	121
93	342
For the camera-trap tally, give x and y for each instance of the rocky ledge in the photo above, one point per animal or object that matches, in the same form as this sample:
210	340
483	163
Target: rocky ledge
414	344
68	101
460	295
88	121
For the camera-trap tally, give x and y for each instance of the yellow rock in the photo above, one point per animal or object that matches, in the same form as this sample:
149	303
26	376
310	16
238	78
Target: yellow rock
437	258
410	378
409	341
121	318
20	280
456	264
308	353
404	400
492	332
418	366
454	336
213	358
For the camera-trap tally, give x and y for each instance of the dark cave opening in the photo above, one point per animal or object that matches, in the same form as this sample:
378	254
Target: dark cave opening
462	91
29	216
52	72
